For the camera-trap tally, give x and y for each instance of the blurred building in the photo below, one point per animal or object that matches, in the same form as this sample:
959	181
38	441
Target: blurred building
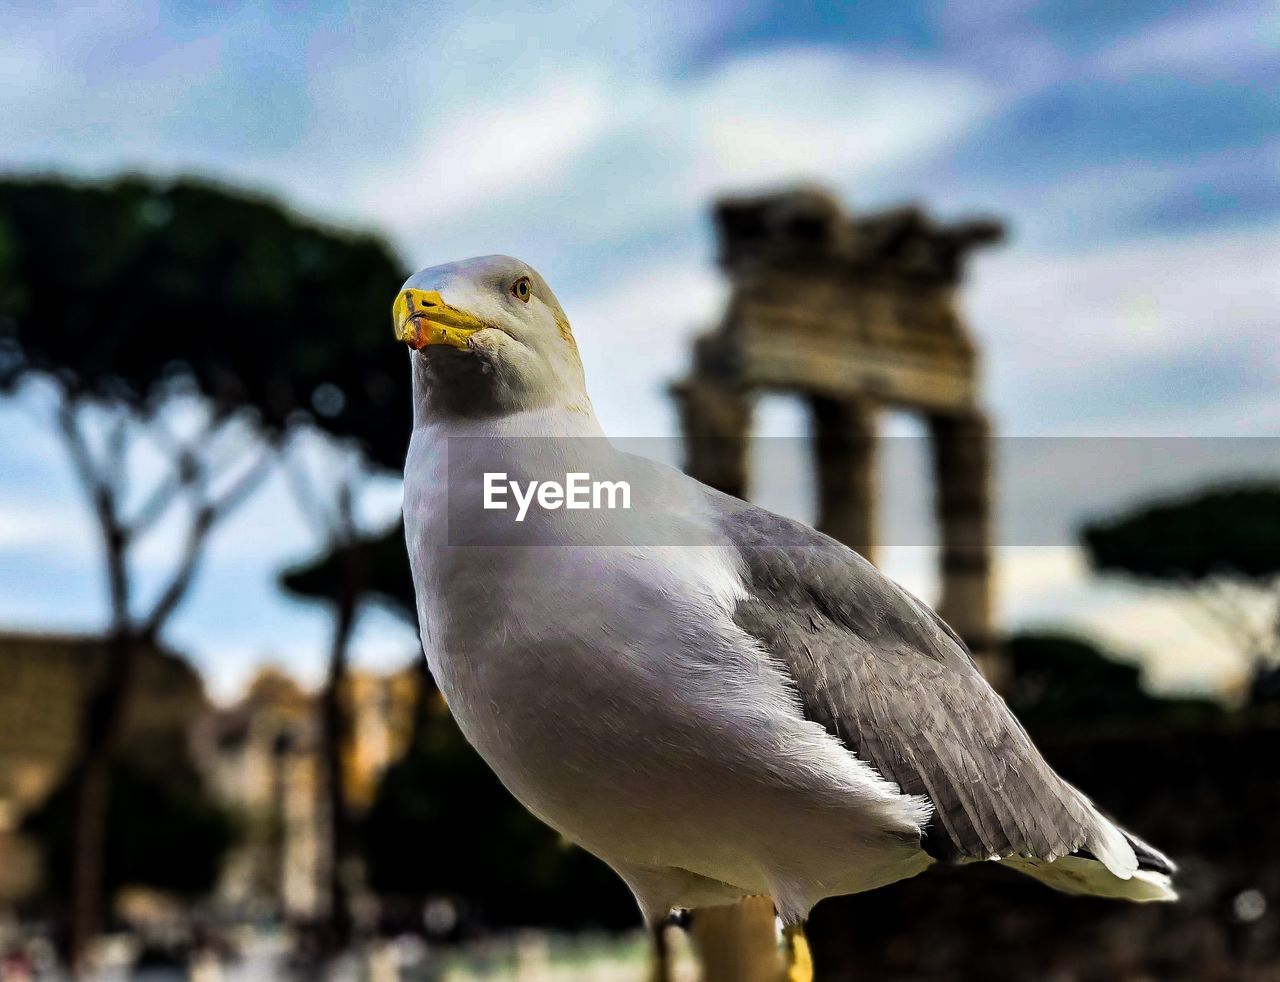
46	680
263	757
382	708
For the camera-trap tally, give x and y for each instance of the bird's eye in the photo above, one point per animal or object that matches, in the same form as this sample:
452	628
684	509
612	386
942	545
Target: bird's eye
520	289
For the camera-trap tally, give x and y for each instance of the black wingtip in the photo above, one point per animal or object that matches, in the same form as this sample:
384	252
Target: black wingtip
1151	859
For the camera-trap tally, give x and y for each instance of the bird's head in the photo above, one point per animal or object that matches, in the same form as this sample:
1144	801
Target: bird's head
488	338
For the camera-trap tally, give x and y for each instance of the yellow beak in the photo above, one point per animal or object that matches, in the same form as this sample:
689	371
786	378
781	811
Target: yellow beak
422	317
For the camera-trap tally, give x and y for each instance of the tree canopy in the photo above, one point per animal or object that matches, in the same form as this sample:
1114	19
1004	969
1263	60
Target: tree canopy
1231	532
118	289
1221	547
130	293
385	561
1060	680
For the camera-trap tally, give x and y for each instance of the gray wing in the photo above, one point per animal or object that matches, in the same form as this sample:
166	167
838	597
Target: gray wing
884	674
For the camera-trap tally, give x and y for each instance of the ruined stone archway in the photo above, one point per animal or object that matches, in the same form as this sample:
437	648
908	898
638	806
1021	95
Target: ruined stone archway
853	313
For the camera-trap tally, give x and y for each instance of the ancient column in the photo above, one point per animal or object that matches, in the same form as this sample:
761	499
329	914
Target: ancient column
716	420
962	479
845	457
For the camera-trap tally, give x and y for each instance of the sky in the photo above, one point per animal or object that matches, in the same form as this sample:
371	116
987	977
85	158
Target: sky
1133	149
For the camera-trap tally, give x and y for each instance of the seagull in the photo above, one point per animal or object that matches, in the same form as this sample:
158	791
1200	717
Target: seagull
717	701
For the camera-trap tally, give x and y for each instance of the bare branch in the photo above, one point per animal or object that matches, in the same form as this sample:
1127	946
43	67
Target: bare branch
116	452
1236	615
159	434
1273	642
1203	620
183	451
187	471
182	578
207	514
309	502
216	451
345	527
245	484
157	503
102	496
1221	611
81	456
190	475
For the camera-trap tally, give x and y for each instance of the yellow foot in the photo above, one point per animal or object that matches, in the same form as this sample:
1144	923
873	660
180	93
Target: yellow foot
795	949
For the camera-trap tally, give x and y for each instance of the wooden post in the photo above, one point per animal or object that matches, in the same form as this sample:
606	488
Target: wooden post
738	942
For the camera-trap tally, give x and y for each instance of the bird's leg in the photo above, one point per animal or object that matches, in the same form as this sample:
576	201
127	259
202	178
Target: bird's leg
662	947
795	953
661	953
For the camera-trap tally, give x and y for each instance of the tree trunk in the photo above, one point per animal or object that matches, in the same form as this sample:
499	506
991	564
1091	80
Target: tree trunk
106	702
99	736
335	722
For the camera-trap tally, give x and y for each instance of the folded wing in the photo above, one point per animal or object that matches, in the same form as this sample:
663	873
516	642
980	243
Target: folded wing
882	672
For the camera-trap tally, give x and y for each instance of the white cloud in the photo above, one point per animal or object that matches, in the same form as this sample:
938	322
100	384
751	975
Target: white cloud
1085	329
601	153
1099	203
634	332
493	153
823	114
60	528
1219	41
488	126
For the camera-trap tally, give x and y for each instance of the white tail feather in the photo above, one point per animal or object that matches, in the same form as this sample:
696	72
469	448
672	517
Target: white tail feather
1075	874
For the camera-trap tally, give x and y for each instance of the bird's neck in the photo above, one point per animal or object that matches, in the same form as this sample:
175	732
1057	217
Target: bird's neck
577	420
453	464
462	395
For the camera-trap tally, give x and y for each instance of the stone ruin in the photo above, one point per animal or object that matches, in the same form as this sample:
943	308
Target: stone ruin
853	313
